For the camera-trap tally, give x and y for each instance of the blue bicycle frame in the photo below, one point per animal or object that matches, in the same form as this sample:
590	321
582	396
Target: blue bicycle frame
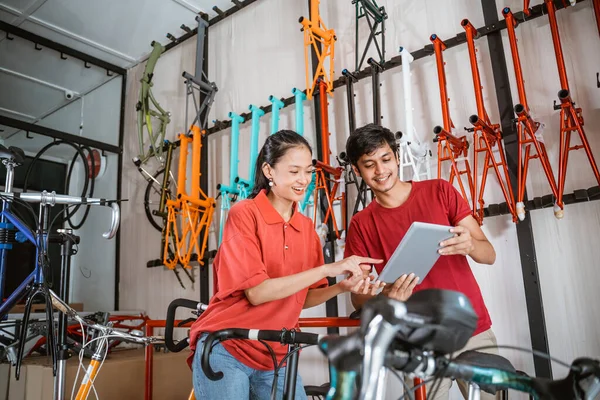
4	224
276	106
245	186
36	276
232	189
300	96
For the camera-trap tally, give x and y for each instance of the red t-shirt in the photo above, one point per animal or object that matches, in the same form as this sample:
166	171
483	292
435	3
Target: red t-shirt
376	231
258	245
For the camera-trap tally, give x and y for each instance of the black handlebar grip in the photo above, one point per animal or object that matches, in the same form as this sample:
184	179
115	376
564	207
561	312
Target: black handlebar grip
169	325
344	156
437	130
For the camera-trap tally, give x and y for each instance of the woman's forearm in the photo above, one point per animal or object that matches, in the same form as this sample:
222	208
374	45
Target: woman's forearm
321	295
280	288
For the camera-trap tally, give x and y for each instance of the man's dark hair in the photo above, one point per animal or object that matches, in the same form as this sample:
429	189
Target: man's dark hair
367	139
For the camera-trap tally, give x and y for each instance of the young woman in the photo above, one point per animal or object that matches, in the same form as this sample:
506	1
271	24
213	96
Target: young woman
269	267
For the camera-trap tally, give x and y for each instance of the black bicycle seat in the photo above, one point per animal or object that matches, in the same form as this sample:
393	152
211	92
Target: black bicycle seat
12	153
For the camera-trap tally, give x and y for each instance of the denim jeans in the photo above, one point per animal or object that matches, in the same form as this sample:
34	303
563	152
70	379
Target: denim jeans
239	381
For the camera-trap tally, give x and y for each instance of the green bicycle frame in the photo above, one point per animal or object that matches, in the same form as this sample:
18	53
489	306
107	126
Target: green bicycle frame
145	113
300	96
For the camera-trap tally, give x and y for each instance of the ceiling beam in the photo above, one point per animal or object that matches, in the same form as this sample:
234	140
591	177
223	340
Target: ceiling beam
53	133
32	37
36	80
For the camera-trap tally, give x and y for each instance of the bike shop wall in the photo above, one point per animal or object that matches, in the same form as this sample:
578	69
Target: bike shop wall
253	55
43	86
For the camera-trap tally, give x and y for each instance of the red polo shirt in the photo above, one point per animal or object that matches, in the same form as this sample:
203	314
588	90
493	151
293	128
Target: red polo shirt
258	245
376	231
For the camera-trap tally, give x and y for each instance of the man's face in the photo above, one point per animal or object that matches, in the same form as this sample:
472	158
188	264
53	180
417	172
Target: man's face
379	169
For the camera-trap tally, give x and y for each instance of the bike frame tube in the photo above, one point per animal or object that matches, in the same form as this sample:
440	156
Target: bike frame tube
257	112
471	35
407	58
184	141
236	120
350	80
324	121
276	106
375	72
511	24
196	149
439	47
8	187
560	61
299	96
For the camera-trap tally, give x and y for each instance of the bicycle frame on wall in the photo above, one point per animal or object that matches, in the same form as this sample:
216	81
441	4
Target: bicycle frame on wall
486	136
322	41
451	147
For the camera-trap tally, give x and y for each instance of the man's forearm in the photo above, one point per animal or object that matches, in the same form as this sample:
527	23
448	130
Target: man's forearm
358	300
483	252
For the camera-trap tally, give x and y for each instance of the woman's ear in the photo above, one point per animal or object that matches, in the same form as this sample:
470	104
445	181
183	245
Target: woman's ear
267	170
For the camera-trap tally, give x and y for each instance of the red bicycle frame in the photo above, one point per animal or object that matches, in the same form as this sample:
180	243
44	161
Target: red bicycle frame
570	117
450	147
323	168
597	12
486	135
527	127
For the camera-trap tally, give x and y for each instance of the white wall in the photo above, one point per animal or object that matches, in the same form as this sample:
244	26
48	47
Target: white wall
253	55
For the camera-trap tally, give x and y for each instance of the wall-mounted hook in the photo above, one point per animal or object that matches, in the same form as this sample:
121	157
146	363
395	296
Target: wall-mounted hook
28	135
62	56
9	37
237	3
38	47
109	73
184	27
598	79
171	37
103	153
86	64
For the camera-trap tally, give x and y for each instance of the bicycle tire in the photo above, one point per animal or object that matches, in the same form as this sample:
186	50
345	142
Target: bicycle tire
91	192
147	203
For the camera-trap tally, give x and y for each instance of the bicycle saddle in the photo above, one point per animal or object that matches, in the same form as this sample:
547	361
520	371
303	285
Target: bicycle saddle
485	360
12	153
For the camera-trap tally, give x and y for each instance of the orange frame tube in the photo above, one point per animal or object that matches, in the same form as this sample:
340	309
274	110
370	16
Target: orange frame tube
597	12
90	375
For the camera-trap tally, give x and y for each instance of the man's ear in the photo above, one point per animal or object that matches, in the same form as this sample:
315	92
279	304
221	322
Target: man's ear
356	170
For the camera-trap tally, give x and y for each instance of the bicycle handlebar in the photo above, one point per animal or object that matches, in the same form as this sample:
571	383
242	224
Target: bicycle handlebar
283	336
63	307
52	198
169	324
415	336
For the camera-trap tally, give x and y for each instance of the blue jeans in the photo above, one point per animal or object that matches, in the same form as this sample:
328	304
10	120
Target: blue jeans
239	381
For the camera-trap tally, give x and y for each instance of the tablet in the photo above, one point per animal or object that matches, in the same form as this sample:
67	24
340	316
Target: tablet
417	252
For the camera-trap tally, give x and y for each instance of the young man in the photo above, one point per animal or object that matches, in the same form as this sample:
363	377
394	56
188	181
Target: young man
377	230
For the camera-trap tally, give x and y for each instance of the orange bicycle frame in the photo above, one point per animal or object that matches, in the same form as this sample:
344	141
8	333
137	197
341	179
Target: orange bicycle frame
571	118
322	41
486	135
526	126
450	147
194	210
597	12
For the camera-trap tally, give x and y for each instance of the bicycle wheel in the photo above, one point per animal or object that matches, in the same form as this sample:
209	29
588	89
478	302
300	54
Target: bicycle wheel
152	198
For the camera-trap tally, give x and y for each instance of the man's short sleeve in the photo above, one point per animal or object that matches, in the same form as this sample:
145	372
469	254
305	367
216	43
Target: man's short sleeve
355	245
239	265
457	206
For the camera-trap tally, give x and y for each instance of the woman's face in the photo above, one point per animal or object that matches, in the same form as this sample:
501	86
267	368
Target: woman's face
291	174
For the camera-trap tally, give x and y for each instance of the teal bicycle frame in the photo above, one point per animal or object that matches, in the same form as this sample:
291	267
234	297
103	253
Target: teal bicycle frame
231	190
300	96
276	106
245	186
